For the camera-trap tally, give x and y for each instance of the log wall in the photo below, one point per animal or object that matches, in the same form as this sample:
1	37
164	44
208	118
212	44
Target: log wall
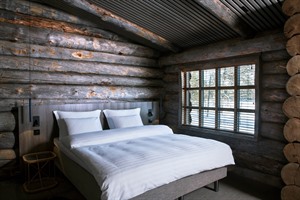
261	159
9	148
290	172
49	57
52	57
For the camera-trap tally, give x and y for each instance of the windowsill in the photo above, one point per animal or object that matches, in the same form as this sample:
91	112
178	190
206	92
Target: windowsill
213	134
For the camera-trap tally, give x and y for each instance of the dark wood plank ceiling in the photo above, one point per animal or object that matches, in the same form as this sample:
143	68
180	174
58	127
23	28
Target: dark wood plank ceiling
171	26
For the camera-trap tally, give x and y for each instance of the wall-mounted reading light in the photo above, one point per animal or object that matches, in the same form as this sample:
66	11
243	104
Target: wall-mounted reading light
150	116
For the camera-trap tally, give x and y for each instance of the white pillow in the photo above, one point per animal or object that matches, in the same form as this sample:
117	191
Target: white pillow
60	115
127	121
111	115
82	125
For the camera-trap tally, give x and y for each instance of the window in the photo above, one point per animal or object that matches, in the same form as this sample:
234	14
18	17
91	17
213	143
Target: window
220	98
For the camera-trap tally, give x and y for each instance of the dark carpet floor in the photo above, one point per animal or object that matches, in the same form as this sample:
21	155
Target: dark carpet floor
231	188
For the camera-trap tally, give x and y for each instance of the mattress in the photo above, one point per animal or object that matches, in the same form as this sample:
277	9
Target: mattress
130	161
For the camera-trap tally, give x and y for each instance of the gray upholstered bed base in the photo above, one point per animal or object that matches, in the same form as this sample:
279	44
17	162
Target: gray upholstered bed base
88	186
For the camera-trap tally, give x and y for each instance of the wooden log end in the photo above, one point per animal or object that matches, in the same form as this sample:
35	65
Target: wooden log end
291	152
7	121
7	154
290	174
7	140
292	26
291	7
291	130
293	85
293	65
291	107
293	45
290	192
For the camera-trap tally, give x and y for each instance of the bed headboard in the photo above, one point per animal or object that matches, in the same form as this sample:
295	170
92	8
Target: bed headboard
30	141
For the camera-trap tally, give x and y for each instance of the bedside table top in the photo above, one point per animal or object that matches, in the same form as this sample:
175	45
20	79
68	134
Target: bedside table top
38	156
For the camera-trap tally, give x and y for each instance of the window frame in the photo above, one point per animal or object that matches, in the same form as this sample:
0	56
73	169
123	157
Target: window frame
237	61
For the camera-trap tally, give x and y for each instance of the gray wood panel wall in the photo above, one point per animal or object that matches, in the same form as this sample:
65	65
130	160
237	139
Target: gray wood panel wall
262	159
52	57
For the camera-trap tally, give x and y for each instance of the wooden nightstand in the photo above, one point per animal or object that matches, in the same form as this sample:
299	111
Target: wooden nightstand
40	171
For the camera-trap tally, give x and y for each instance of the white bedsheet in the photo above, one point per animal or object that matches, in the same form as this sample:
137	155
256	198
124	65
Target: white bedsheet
128	162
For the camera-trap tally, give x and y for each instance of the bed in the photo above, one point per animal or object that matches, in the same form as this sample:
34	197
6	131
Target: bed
132	160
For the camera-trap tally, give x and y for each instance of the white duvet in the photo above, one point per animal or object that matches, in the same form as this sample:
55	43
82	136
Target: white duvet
130	161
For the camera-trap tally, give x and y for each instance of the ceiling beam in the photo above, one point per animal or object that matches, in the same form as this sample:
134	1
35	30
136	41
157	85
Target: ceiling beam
217	8
114	23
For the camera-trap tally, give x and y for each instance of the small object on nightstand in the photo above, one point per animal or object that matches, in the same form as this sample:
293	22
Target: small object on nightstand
40	171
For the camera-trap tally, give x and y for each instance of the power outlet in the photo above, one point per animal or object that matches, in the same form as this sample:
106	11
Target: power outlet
36	132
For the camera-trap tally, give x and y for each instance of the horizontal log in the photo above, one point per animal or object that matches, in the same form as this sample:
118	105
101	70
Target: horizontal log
37	9
82	67
37	51
276	55
16	77
56	24
274	67
291	107
257	163
118	24
171	78
7	140
291	7
20	91
5	108
293	65
291	130
257	176
290	174
227	49
292	152
7	121
267	148
171	69
293	85
48	37
7	154
171	107
170	119
272	112
272	131
274	95
292	26
275	81
290	192
172	88
171	97
293	45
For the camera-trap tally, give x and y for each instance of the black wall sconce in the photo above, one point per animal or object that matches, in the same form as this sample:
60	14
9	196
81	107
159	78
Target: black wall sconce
150	116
